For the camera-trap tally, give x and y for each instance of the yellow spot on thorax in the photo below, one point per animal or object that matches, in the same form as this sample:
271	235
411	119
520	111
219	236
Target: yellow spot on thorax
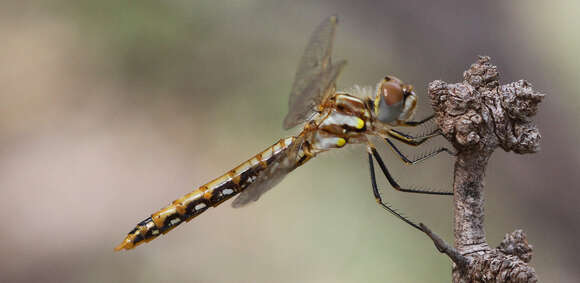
360	123
340	142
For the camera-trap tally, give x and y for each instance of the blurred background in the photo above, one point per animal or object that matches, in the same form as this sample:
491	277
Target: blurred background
109	110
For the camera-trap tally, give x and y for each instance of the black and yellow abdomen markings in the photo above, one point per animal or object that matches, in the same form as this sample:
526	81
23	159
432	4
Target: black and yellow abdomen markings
211	194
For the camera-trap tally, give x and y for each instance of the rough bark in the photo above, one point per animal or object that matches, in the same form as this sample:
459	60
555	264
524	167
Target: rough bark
477	116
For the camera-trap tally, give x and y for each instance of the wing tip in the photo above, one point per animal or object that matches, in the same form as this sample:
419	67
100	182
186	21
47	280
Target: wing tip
237	203
286	125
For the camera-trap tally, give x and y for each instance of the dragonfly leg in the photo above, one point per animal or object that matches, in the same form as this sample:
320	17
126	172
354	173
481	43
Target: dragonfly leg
379	199
419	158
394	184
412	140
417	123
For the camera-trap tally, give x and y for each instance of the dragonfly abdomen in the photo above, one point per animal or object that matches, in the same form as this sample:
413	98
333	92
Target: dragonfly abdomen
211	194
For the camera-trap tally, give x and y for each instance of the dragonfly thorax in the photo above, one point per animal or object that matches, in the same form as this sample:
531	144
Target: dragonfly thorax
344	119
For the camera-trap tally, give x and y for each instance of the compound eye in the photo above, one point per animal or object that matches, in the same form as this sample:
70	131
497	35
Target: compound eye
392	92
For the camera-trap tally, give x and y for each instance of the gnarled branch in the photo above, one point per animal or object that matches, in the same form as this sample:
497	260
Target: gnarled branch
477	116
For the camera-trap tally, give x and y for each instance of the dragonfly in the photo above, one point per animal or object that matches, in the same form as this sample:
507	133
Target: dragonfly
331	119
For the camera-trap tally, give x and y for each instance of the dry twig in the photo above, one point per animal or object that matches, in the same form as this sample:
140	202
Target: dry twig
476	116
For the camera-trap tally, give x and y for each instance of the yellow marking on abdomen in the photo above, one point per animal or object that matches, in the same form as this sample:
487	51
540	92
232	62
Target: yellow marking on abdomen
220	181
160	216
194	203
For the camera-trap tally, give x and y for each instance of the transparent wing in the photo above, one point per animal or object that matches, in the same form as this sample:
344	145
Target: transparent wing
304	105
315	75
271	176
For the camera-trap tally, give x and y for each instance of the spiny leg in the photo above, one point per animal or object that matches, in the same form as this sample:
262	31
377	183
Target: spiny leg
392	181
418	159
379	199
417	123
411	140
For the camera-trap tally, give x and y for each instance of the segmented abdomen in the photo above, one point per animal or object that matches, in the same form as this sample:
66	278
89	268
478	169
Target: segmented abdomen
210	194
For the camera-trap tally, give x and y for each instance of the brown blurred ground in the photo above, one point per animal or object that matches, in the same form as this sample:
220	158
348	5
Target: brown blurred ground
108	111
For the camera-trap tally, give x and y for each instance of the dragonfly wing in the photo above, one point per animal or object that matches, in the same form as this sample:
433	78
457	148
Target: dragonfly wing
270	176
303	107
314	75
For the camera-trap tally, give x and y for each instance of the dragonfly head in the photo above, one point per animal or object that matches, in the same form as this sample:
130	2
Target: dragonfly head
395	101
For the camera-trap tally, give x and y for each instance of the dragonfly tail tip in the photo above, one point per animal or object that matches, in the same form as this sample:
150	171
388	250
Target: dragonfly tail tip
125	245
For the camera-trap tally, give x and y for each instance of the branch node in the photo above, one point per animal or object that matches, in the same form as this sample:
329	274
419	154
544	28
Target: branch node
481	114
478	115
516	243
